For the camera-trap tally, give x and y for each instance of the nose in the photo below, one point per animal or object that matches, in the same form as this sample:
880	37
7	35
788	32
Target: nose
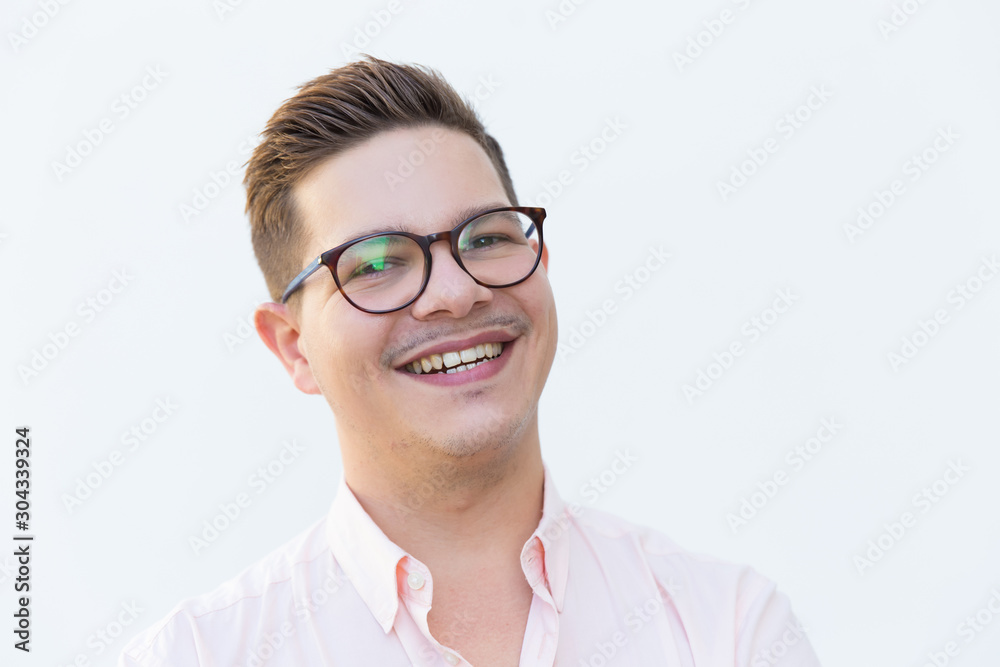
450	291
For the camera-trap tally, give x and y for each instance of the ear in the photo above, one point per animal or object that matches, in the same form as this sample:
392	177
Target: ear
280	330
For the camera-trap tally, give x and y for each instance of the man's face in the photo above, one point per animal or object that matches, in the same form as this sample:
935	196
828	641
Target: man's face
358	359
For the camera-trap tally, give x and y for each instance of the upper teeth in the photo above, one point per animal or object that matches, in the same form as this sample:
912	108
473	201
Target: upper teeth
455	362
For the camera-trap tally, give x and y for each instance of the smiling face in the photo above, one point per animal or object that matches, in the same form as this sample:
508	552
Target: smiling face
364	363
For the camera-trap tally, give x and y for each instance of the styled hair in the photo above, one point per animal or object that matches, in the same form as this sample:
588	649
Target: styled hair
329	115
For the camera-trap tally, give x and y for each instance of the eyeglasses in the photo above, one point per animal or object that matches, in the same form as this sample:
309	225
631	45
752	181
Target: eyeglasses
385	272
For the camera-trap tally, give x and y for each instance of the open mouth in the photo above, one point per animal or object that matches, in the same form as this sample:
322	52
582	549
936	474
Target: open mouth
455	362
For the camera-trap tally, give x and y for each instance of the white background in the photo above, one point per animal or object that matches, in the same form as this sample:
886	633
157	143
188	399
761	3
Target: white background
175	331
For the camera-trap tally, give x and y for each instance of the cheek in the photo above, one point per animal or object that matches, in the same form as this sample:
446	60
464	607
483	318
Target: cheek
350	388
349	359
543	307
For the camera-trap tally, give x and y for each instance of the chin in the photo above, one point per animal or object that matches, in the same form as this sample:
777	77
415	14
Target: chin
487	438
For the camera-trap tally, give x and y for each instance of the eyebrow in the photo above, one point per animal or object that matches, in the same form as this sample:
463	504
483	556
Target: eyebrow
460	216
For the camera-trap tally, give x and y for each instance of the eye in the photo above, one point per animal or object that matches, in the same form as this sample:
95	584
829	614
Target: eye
495	232
374	268
485	240
368	268
378	259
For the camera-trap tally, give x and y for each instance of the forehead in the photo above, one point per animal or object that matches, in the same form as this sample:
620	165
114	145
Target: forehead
417	179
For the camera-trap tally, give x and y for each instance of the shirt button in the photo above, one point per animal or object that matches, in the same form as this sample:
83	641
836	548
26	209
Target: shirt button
415	580
451	658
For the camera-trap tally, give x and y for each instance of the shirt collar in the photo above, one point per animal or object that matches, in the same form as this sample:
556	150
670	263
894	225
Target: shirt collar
366	555
553	533
370	559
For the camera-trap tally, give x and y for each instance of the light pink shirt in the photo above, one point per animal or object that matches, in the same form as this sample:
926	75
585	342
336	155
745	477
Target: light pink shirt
605	592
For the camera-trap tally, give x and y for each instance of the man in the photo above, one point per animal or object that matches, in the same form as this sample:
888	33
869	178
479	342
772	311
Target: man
411	292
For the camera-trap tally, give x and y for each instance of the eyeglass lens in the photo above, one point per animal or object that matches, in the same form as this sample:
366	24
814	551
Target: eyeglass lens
386	271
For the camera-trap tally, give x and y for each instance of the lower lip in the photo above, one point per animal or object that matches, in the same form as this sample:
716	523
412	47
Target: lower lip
480	372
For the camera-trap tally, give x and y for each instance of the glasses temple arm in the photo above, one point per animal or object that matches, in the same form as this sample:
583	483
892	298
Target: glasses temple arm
299	279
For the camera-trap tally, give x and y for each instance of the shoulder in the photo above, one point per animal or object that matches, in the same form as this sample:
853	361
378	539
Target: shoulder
258	600
720	607
677	571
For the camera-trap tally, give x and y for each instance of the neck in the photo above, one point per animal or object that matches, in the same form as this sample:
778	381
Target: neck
451	512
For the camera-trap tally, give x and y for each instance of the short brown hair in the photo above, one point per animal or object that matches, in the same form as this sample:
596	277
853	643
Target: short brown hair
329	115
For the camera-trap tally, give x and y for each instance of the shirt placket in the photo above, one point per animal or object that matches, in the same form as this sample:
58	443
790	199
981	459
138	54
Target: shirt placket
541	633
416	590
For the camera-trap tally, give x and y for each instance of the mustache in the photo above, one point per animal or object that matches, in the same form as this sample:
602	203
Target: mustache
516	324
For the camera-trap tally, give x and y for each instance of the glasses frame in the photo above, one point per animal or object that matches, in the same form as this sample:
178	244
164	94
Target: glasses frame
330	258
